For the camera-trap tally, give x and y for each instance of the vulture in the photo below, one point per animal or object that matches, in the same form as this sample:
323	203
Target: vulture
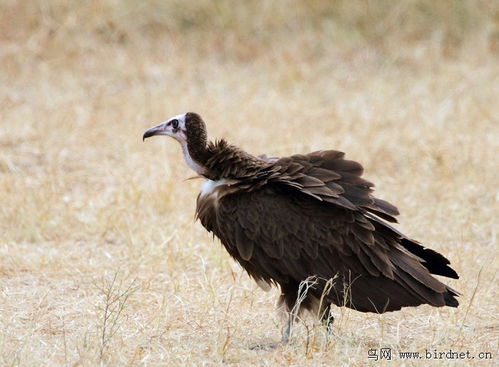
309	224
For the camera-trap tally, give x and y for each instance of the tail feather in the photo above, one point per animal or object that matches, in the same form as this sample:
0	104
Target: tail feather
432	260
435	262
449	298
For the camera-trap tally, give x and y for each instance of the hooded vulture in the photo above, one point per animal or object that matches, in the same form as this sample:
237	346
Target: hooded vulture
308	216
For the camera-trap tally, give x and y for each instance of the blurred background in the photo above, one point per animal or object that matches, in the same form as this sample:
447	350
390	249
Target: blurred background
408	88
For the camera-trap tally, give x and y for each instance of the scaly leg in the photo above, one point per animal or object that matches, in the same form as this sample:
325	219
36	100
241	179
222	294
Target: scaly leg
286	334
286	330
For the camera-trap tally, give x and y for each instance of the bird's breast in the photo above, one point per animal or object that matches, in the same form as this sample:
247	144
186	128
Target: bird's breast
212	188
212	191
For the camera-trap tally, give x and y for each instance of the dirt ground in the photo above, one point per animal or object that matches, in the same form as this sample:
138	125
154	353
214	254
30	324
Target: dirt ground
101	262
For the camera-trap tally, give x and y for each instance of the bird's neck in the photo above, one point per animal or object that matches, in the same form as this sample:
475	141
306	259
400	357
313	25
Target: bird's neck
195	155
225	161
219	160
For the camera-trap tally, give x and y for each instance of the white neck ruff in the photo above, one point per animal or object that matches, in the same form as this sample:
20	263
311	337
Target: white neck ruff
188	159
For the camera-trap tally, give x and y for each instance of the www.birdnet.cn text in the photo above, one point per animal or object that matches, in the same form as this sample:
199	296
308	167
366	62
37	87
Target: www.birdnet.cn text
377	354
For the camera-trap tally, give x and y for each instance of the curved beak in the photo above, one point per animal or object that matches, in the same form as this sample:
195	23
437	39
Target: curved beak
156	130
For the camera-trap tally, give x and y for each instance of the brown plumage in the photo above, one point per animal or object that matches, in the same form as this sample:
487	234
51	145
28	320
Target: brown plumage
286	219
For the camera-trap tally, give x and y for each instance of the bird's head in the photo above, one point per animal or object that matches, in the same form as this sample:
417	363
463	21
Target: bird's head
178	127
189	130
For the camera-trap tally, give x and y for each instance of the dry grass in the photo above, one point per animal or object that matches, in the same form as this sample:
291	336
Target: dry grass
92	219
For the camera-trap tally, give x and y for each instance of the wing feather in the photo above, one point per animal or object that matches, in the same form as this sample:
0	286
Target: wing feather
314	215
342	177
243	243
278	238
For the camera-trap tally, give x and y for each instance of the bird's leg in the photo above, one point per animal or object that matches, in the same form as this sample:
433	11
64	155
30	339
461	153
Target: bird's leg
329	324
286	330
285	335
327	320
327	317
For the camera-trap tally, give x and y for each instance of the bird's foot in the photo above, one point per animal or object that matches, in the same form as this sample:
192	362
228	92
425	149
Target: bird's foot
266	346
286	335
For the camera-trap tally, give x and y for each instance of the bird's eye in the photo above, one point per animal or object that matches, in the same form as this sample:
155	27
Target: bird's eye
175	124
